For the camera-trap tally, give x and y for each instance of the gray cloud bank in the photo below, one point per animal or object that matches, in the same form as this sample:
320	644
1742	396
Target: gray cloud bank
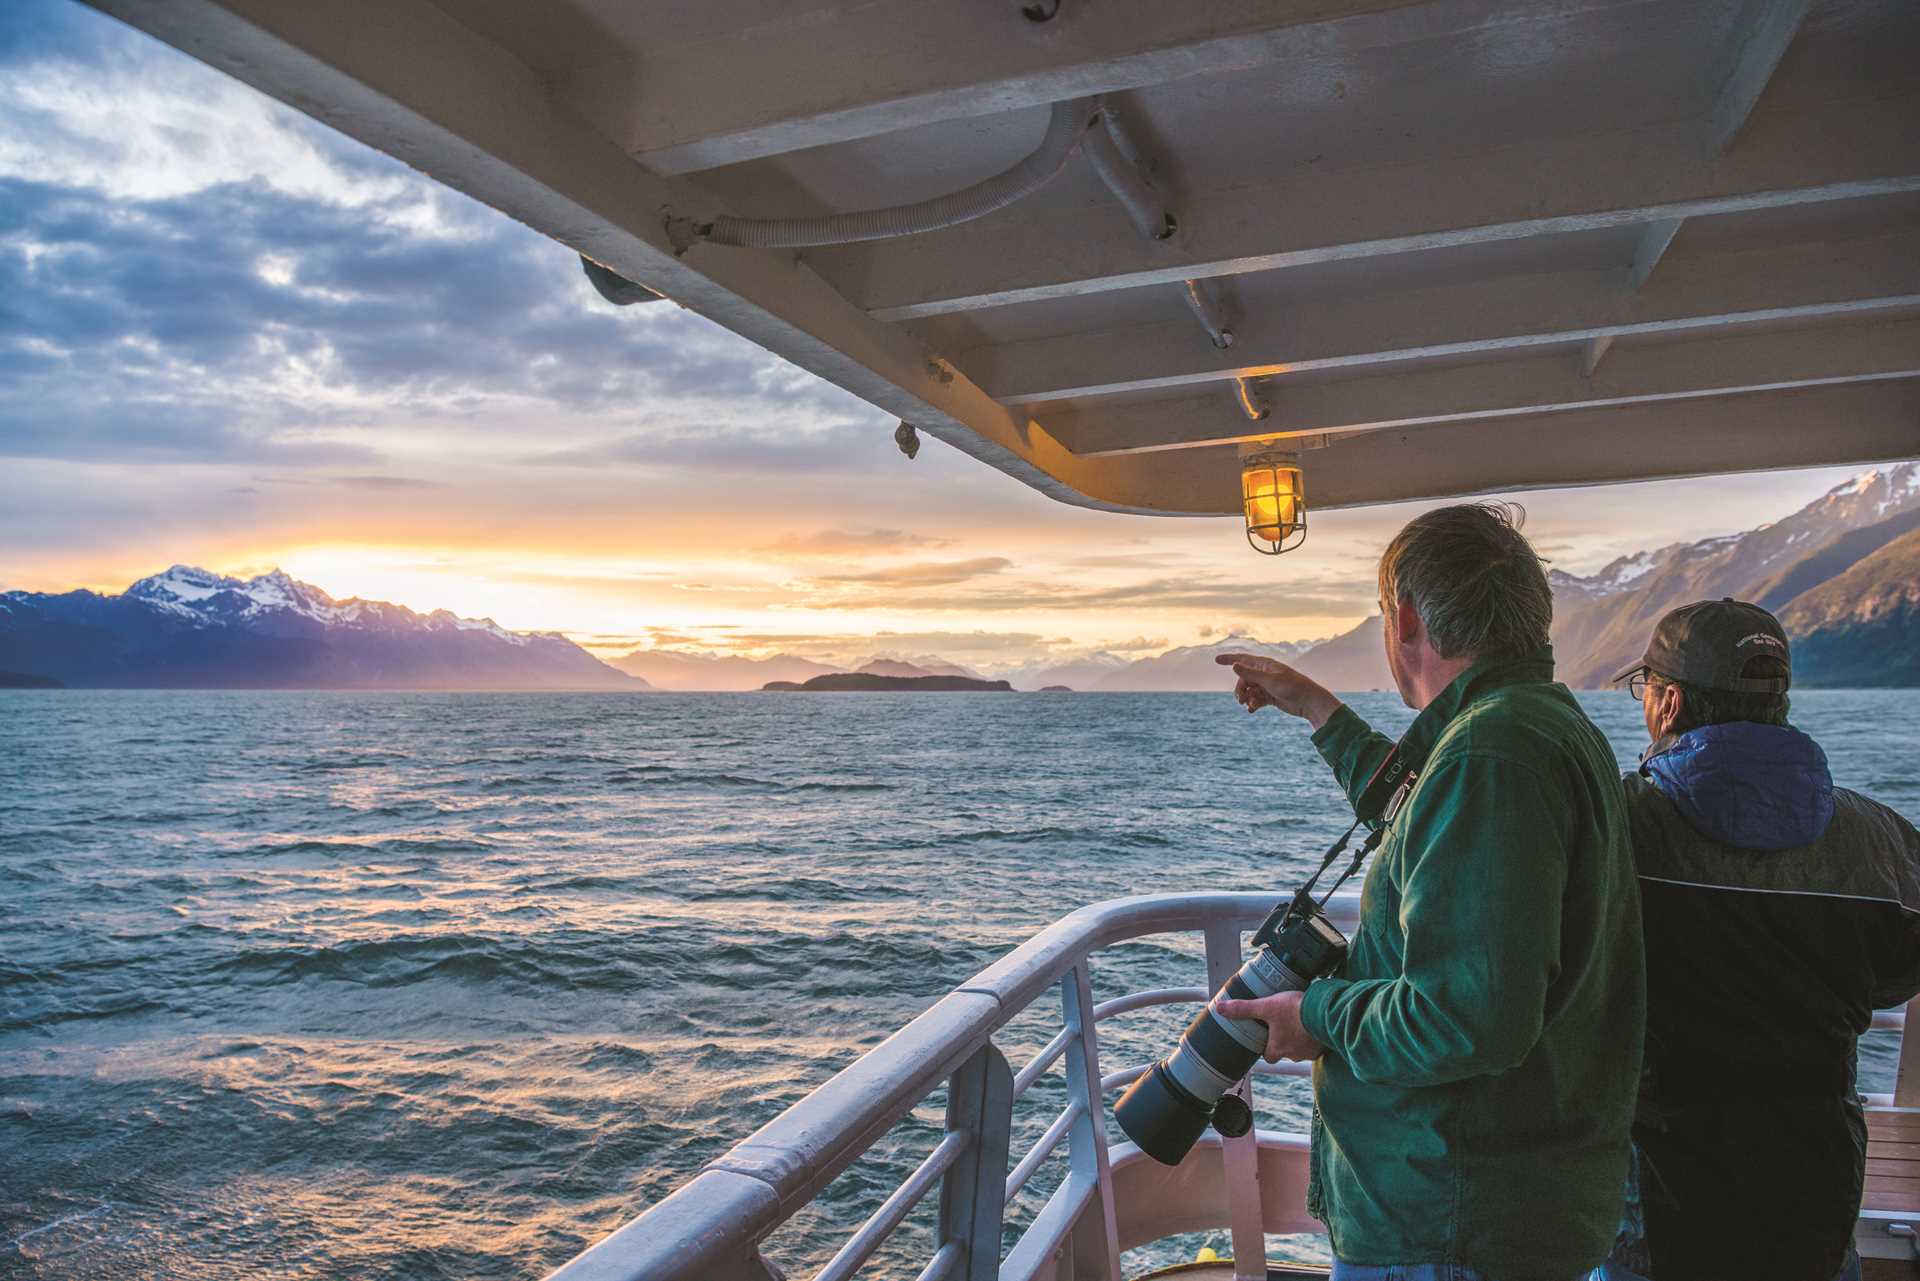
243	322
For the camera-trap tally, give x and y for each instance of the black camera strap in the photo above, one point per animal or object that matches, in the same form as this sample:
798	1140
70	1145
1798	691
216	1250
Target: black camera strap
1339	847
1367	847
1380	800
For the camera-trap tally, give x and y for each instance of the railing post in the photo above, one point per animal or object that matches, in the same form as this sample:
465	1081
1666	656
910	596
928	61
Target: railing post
1096	1237
1240	1158
1906	1081
972	1200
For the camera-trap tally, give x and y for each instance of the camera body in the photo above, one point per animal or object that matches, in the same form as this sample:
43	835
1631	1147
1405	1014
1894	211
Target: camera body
1169	1106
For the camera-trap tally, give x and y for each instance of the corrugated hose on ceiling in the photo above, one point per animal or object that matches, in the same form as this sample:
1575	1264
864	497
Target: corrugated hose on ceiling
1083	121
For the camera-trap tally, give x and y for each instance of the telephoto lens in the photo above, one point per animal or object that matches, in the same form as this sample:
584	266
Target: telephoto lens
1167	1109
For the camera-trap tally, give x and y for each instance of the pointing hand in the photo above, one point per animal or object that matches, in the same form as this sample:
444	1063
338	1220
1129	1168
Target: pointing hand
1268	682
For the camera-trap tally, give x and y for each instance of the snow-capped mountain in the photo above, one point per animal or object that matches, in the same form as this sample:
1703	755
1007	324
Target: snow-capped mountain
1080	673
1601	622
190	628
210	599
1617	576
1351	662
1842	573
1192	667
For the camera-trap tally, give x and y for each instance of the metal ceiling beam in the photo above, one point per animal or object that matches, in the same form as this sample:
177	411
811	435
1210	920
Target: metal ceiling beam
1651	246
1781	286
1767	28
406	78
1869	422
409	79
1841	151
834	74
1818	426
1762	37
1596	351
1526	385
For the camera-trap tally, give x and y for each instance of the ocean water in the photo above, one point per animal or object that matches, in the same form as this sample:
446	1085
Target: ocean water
367	985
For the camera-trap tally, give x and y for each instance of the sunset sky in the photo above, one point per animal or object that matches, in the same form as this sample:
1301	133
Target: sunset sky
230	337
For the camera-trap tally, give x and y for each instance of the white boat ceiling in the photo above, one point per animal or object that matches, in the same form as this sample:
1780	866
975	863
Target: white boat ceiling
1463	246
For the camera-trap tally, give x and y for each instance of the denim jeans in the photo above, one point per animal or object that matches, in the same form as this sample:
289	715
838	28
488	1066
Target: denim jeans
1611	1271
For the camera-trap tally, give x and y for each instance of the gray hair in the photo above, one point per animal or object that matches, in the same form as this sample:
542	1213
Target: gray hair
1701	706
1473	578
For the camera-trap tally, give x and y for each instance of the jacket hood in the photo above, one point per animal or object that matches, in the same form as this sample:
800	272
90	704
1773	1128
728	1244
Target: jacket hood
1757	787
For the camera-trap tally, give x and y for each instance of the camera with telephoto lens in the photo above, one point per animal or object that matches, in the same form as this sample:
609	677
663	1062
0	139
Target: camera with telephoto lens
1168	1108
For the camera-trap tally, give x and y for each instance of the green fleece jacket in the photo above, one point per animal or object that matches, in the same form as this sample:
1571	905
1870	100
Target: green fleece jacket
1483	1038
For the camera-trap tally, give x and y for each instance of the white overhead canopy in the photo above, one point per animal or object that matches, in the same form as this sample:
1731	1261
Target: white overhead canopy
1463	246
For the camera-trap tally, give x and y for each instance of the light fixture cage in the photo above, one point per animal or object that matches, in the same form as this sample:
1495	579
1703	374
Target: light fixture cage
1274	494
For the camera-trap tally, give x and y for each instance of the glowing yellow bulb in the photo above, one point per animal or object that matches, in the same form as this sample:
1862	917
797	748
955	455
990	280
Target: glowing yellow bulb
1272	489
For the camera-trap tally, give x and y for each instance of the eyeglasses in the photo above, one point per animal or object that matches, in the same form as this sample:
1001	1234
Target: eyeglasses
1637	685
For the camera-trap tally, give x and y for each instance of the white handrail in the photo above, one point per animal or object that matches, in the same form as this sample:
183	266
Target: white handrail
943	1262
1152	996
1050	1054
1041	1150
711	1227
1038	1065
861	1245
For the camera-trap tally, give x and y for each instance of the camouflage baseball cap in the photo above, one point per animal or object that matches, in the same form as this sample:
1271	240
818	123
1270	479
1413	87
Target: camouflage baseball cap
1708	642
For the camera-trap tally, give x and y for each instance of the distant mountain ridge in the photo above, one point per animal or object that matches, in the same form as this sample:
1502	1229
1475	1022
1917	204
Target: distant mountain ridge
1842	573
1191	667
882	682
1188	668
684	671
1353	661
914	668
1862	628
189	628
1084	672
1601	623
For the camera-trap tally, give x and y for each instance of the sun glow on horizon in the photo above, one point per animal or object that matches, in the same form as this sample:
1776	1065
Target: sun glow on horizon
470	428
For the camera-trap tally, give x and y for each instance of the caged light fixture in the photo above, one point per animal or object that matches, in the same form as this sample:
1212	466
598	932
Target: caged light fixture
1275	495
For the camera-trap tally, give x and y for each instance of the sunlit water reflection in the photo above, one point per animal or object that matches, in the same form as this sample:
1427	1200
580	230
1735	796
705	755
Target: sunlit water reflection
417	986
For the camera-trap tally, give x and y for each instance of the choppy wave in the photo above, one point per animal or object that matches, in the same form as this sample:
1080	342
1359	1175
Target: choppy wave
414	986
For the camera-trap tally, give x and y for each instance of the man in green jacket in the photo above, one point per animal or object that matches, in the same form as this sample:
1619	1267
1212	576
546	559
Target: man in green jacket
1478	1054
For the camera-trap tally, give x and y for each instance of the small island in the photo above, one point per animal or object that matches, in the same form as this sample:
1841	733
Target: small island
25	680
1056	689
867	682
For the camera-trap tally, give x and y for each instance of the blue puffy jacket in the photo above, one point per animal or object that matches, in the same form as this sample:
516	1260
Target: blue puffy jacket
1755	787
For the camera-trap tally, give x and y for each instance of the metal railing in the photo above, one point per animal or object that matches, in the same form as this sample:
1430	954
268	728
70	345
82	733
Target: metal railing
711	1227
